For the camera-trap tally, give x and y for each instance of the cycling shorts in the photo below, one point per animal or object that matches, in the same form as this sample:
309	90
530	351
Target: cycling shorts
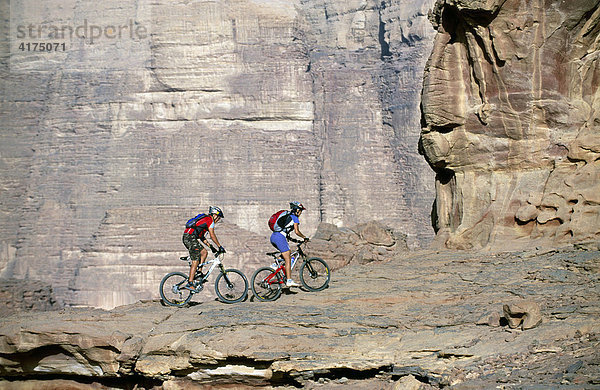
193	246
278	241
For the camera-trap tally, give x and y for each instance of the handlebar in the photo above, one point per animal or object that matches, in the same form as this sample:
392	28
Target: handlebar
299	242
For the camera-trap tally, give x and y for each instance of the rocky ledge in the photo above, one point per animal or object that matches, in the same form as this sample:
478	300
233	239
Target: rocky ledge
417	320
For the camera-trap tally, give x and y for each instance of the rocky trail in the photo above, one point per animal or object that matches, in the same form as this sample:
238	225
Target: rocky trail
423	319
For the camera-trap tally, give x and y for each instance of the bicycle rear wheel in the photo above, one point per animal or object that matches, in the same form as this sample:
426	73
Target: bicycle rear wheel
265	284
314	274
231	286
172	291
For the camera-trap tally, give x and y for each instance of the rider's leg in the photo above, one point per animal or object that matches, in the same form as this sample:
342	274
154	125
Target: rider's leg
203	255
288	263
193	246
193	270
279	241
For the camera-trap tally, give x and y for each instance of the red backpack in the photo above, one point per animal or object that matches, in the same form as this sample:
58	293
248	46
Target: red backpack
274	218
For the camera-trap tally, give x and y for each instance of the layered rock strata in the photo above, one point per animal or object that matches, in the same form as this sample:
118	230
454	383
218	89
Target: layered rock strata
180	105
510	113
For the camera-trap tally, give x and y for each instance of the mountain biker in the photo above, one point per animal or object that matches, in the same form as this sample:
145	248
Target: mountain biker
198	253
283	227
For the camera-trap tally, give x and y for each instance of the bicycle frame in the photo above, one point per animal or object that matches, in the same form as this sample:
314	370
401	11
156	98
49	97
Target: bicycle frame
293	260
216	262
268	282
281	268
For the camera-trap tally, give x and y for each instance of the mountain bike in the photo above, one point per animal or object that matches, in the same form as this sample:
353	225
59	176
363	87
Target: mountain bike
231	285
267	282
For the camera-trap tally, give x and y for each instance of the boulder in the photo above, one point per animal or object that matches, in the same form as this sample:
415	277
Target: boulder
376	234
408	382
526	314
361	244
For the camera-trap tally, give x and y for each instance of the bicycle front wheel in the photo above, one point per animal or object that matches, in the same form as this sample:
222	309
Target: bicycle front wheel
315	274
172	290
231	286
265	284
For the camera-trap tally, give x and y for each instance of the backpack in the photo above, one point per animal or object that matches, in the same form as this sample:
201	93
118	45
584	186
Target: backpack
191	223
274	218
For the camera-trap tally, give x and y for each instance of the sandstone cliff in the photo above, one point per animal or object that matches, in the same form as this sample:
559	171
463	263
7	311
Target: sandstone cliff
108	146
511	118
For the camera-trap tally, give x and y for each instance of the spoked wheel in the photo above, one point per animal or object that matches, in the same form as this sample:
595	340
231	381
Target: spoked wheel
172	289
231	286
314	274
266	284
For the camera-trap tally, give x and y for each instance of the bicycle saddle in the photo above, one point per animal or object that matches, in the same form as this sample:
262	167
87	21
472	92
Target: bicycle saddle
183	258
273	254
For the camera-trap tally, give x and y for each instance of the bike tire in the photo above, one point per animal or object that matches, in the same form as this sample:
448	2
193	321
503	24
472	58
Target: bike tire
171	291
231	286
315	274
266	284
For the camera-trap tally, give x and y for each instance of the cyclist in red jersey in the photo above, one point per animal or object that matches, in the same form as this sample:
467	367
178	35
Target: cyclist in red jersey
198	253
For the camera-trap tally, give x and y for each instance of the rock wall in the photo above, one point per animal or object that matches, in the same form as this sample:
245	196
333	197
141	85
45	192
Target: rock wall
366	62
155	109
17	295
510	114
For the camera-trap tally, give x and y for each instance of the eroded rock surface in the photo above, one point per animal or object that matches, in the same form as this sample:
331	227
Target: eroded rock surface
379	325
20	295
510	113
361	244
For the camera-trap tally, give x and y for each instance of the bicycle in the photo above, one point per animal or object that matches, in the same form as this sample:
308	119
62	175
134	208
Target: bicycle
231	285
267	282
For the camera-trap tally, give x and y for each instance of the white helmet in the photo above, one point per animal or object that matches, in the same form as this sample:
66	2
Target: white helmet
215	210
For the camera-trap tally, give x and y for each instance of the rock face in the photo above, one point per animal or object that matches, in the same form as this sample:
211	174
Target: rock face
378	326
510	114
18	295
110	144
361	244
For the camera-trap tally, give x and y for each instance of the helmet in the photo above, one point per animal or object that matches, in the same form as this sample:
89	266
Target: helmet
215	210
296	206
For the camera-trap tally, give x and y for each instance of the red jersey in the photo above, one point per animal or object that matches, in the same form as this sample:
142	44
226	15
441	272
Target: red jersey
201	227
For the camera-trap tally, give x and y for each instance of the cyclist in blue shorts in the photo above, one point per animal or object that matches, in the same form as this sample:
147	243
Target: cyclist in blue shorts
284	225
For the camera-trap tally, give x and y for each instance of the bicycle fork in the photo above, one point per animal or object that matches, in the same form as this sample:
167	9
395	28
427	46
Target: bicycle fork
222	269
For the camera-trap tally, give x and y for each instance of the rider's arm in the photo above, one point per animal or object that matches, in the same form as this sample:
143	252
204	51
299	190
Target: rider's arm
297	231
205	242
213	236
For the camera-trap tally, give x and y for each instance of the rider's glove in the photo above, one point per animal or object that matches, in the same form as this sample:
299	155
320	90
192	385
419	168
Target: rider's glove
212	248
221	249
